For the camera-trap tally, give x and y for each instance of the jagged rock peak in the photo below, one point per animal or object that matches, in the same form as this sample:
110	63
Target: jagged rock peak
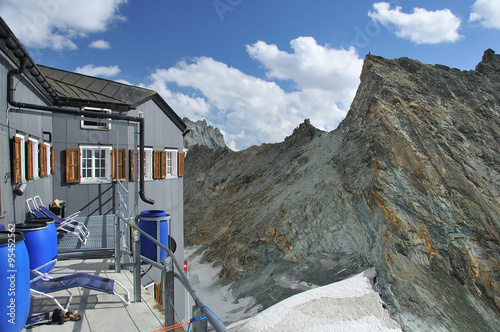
304	133
200	133
408	183
490	65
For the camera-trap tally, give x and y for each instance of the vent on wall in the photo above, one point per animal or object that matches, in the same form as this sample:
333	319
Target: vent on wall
94	123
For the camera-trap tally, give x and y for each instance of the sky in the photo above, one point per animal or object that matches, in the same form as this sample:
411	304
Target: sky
255	69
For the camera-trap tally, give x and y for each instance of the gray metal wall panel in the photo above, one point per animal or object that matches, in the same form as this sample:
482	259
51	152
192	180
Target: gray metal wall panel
30	124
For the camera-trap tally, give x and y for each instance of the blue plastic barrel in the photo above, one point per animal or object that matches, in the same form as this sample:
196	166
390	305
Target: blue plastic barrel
148	221
52	230
40	243
14	282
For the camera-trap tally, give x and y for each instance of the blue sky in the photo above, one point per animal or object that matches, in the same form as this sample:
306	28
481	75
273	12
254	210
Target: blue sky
253	68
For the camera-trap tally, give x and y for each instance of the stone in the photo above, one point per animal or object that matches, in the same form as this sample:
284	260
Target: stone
409	183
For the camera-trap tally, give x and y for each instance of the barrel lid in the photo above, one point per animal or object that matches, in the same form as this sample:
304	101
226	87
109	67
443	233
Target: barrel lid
31	226
6	237
47	220
153	213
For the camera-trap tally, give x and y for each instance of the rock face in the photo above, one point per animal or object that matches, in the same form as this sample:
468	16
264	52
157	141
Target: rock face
203	134
408	183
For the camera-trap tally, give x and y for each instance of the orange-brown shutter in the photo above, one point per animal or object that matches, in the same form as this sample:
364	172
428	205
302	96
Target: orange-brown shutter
158	293
131	157
118	165
42	159
52	160
72	165
16	160
29	160
163	164
180	164
156	164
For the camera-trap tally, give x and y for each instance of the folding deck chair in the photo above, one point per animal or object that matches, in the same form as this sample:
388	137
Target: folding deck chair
41	284
67	225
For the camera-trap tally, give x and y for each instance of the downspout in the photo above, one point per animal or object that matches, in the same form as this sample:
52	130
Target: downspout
75	111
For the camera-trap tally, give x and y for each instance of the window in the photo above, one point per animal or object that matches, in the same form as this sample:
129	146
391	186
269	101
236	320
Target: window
171	163
18	159
95	123
158	164
95	164
32	159
148	163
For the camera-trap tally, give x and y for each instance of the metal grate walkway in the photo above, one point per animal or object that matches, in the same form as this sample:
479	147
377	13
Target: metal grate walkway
100	241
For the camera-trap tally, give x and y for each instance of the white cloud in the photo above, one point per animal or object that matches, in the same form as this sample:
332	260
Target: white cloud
57	23
422	26
100	44
487	12
250	110
99	71
312	66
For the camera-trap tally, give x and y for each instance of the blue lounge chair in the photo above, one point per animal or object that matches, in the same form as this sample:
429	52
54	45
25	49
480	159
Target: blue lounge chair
66	225
41	284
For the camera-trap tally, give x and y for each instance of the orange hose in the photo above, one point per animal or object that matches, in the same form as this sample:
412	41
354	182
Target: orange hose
173	327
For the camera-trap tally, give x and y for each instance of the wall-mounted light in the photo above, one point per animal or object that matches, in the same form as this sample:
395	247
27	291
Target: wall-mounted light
20	189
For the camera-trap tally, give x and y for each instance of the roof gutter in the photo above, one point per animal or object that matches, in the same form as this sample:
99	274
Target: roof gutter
77	112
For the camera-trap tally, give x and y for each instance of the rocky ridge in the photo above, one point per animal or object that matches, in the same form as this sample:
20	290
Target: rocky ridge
203	134
408	183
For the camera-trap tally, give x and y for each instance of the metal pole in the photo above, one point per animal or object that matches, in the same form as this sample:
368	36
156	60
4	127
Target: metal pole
211	317
118	255
167	284
200	325
137	265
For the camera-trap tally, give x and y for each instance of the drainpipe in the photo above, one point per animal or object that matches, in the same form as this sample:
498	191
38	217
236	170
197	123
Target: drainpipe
76	111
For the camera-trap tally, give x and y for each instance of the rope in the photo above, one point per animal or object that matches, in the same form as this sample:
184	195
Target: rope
175	326
205	306
195	319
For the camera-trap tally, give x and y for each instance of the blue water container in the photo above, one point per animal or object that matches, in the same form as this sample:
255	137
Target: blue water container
41	244
151	221
52	232
14	282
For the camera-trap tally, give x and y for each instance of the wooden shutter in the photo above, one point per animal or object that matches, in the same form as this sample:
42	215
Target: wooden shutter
163	165
180	164
42	159
72	165
156	164
52	160
158	293
120	164
16	160
29	160
131	159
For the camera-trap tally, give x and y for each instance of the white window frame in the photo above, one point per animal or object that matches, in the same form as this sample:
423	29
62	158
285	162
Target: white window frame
48	160
34	156
148	163
93	123
23	157
107	164
171	156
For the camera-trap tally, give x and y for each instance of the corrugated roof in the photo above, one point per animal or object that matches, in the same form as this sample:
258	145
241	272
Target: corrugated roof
74	88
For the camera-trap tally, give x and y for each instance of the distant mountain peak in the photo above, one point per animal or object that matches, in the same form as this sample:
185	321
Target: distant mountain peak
200	133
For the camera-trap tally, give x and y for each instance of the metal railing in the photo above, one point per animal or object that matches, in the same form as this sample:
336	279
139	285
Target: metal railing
167	267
